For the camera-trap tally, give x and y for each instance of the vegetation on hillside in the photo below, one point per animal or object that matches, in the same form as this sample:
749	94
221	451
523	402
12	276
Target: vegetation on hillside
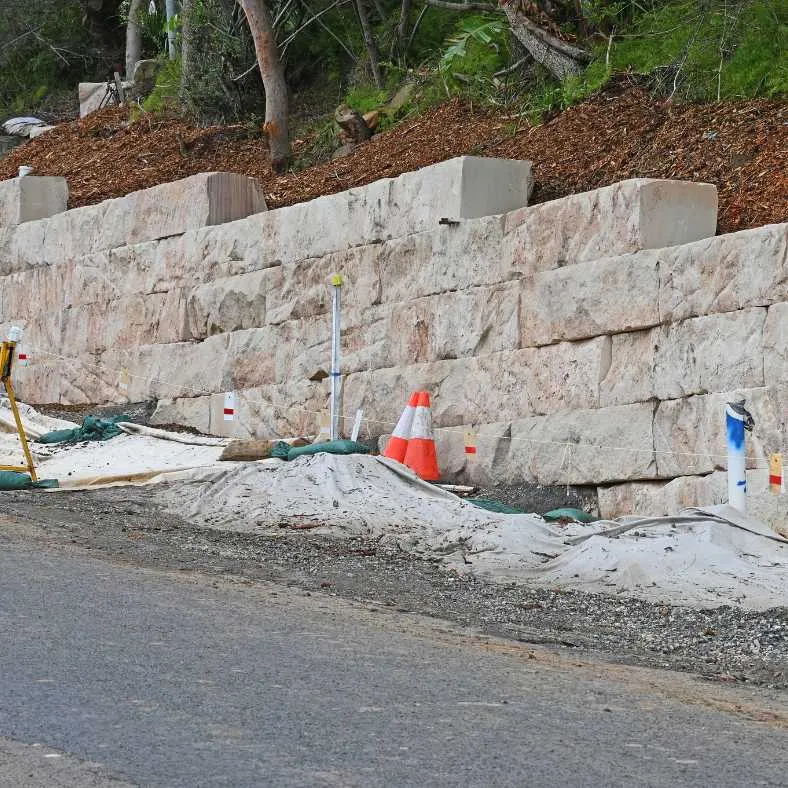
361	52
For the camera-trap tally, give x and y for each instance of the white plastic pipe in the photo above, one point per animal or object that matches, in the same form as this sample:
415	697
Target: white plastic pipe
737	479
336	336
169	7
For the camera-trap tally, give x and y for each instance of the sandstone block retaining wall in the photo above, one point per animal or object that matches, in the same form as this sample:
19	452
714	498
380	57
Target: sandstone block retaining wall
591	340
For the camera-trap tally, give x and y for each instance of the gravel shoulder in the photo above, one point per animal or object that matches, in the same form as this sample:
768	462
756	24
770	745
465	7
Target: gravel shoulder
126	525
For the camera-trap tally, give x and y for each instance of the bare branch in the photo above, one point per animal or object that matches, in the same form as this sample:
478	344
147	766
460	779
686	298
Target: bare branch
462	6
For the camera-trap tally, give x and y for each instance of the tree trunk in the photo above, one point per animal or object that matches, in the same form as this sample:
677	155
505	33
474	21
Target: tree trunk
402	27
187	49
273	75
561	59
133	36
369	40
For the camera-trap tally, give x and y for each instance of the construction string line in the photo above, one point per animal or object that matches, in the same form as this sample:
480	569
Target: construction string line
566	445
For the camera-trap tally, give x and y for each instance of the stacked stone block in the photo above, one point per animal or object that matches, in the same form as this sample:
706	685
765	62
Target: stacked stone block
591	340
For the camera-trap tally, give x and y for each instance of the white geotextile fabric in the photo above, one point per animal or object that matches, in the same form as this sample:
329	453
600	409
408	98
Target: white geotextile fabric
147	451
708	563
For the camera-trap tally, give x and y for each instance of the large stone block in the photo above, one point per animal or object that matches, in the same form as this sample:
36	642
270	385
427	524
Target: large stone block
775	345
690	437
467	187
584	446
31	197
459	324
711	353
658	498
206	199
724	274
625	217
589	299
515	384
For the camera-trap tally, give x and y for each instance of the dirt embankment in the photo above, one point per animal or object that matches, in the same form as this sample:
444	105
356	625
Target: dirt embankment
740	146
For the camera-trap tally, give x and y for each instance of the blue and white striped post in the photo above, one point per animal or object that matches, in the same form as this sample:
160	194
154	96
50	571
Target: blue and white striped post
737	420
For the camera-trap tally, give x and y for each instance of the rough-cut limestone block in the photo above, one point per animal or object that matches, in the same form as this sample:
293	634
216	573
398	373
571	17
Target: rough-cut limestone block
689	433
446	258
466	187
205	199
626	217
302	289
493	443
517	384
227	304
712	353
31	197
268	412
589	299
456	325
775	345
724	274
657	499
583	446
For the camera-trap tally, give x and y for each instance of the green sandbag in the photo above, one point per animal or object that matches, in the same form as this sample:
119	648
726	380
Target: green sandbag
280	450
11	480
331	447
92	429
494	506
568	514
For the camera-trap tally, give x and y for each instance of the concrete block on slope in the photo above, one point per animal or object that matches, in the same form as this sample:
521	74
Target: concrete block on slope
30	198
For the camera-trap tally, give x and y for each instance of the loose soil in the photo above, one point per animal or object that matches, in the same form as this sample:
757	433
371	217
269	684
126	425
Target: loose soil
740	146
127	525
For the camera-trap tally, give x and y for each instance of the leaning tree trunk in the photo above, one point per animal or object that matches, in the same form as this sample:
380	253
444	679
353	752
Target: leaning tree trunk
369	40
133	36
273	75
561	59
187	50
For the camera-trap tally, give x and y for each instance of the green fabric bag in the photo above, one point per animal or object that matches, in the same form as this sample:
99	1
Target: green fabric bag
331	447
280	450
93	429
11	480
568	514
494	506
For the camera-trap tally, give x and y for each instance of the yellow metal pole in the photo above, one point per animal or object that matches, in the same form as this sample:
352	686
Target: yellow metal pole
6	363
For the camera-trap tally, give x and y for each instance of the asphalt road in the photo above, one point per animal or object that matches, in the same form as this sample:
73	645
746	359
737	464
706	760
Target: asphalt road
178	680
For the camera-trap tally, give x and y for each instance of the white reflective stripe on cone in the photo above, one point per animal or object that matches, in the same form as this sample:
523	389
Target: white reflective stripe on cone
422	424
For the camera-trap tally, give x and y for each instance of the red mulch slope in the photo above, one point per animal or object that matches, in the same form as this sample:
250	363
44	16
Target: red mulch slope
740	146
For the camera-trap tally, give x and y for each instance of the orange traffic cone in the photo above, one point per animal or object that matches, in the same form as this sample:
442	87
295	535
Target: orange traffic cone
398	442
421	455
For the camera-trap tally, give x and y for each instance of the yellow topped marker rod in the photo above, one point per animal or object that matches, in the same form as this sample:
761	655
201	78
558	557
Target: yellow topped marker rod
7	352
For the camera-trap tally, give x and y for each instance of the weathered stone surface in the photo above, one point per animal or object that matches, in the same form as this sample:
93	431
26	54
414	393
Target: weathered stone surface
710	353
775	345
584	446
625	217
30	198
517	384
724	274
467	187
460	324
589	299
206	199
657	499
689	433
